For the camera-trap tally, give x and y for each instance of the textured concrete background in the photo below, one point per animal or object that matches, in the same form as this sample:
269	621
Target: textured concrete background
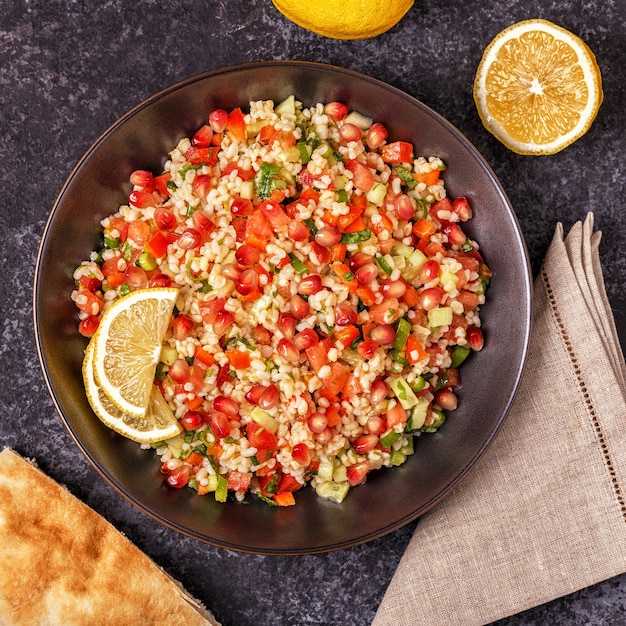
69	69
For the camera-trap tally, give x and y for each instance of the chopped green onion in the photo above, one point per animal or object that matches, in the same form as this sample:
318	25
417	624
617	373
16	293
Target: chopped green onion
146	262
171	185
467	246
383	264
312	227
358	237
348	276
109	242
298	266
124	289
459	355
402	334
190	210
342	195
305	155
221	493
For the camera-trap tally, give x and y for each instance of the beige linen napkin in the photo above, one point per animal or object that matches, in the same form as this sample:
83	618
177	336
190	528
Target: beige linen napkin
544	512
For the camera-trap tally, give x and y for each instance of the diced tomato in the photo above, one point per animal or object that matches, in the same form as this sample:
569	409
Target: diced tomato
385	312
318	354
410	296
432	248
345	275
333	416
260	438
362	176
287	482
352	387
356	226
198	156
120	225
259	225
428	178
414	350
366	295
346	335
160	184
467	261
157	245
204	356
338	252
285	499
239	359
468	299
274	213
236	124
449	378
139	231
440	205
238	481
244	174
193	404
423	228
396	415
116	279
397	152
379	225
88	302
194	458
334	384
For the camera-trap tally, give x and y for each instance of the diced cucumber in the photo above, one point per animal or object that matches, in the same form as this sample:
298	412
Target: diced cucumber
325	470
397	458
246	190
358	119
213	482
389	438
340	474
168	355
403	392
175	444
439	419
404	250
418	414
333	491
221	491
286	107
440	316
459	355
376	195
263	418
289	155
413	265
448	280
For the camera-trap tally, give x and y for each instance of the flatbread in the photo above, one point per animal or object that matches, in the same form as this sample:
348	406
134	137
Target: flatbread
65	565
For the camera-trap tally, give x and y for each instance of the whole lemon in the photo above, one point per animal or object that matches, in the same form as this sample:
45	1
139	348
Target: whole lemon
345	19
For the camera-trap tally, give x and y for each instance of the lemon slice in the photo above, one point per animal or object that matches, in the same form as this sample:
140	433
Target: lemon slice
352	19
158	424
127	346
538	87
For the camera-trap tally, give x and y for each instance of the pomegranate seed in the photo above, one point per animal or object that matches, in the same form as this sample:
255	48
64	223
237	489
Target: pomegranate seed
202	137
269	398
226	405
345	314
359	259
367	273
357	473
446	399
299	307
376	425
248	282
367	349
136	278
475	338
376	136
231	271
317	423
179	371
349	132
202	222
247	255
429	271
404	207
189	239
393	288
430	298
164	219
141	178
160	280
383	335
288	351
455	234
140	199
220	424
201	185
178	477
328	236
89	326
297	231
192	420
325	436
301	454
378	392
310	285
462	208
223	321
287	325
182	327
242	207
305	339
217	120
254	393
336	110
365	444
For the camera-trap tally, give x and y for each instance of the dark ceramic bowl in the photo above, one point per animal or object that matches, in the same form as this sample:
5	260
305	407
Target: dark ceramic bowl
391	498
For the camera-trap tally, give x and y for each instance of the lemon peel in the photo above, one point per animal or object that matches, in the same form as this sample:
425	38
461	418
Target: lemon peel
538	87
350	19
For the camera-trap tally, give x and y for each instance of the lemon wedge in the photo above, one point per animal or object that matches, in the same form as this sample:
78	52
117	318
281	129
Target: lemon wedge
350	19
158	424
127	347
538	87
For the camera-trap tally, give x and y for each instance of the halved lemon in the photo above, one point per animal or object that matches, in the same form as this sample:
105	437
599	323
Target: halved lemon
538	87
158	424
127	347
350	19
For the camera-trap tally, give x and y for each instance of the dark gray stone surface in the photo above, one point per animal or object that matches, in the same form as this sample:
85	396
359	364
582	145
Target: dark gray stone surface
68	69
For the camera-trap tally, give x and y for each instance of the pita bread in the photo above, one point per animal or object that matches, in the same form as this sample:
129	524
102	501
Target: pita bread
65	565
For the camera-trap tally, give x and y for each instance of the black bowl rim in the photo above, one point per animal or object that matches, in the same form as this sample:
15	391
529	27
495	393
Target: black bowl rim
146	102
